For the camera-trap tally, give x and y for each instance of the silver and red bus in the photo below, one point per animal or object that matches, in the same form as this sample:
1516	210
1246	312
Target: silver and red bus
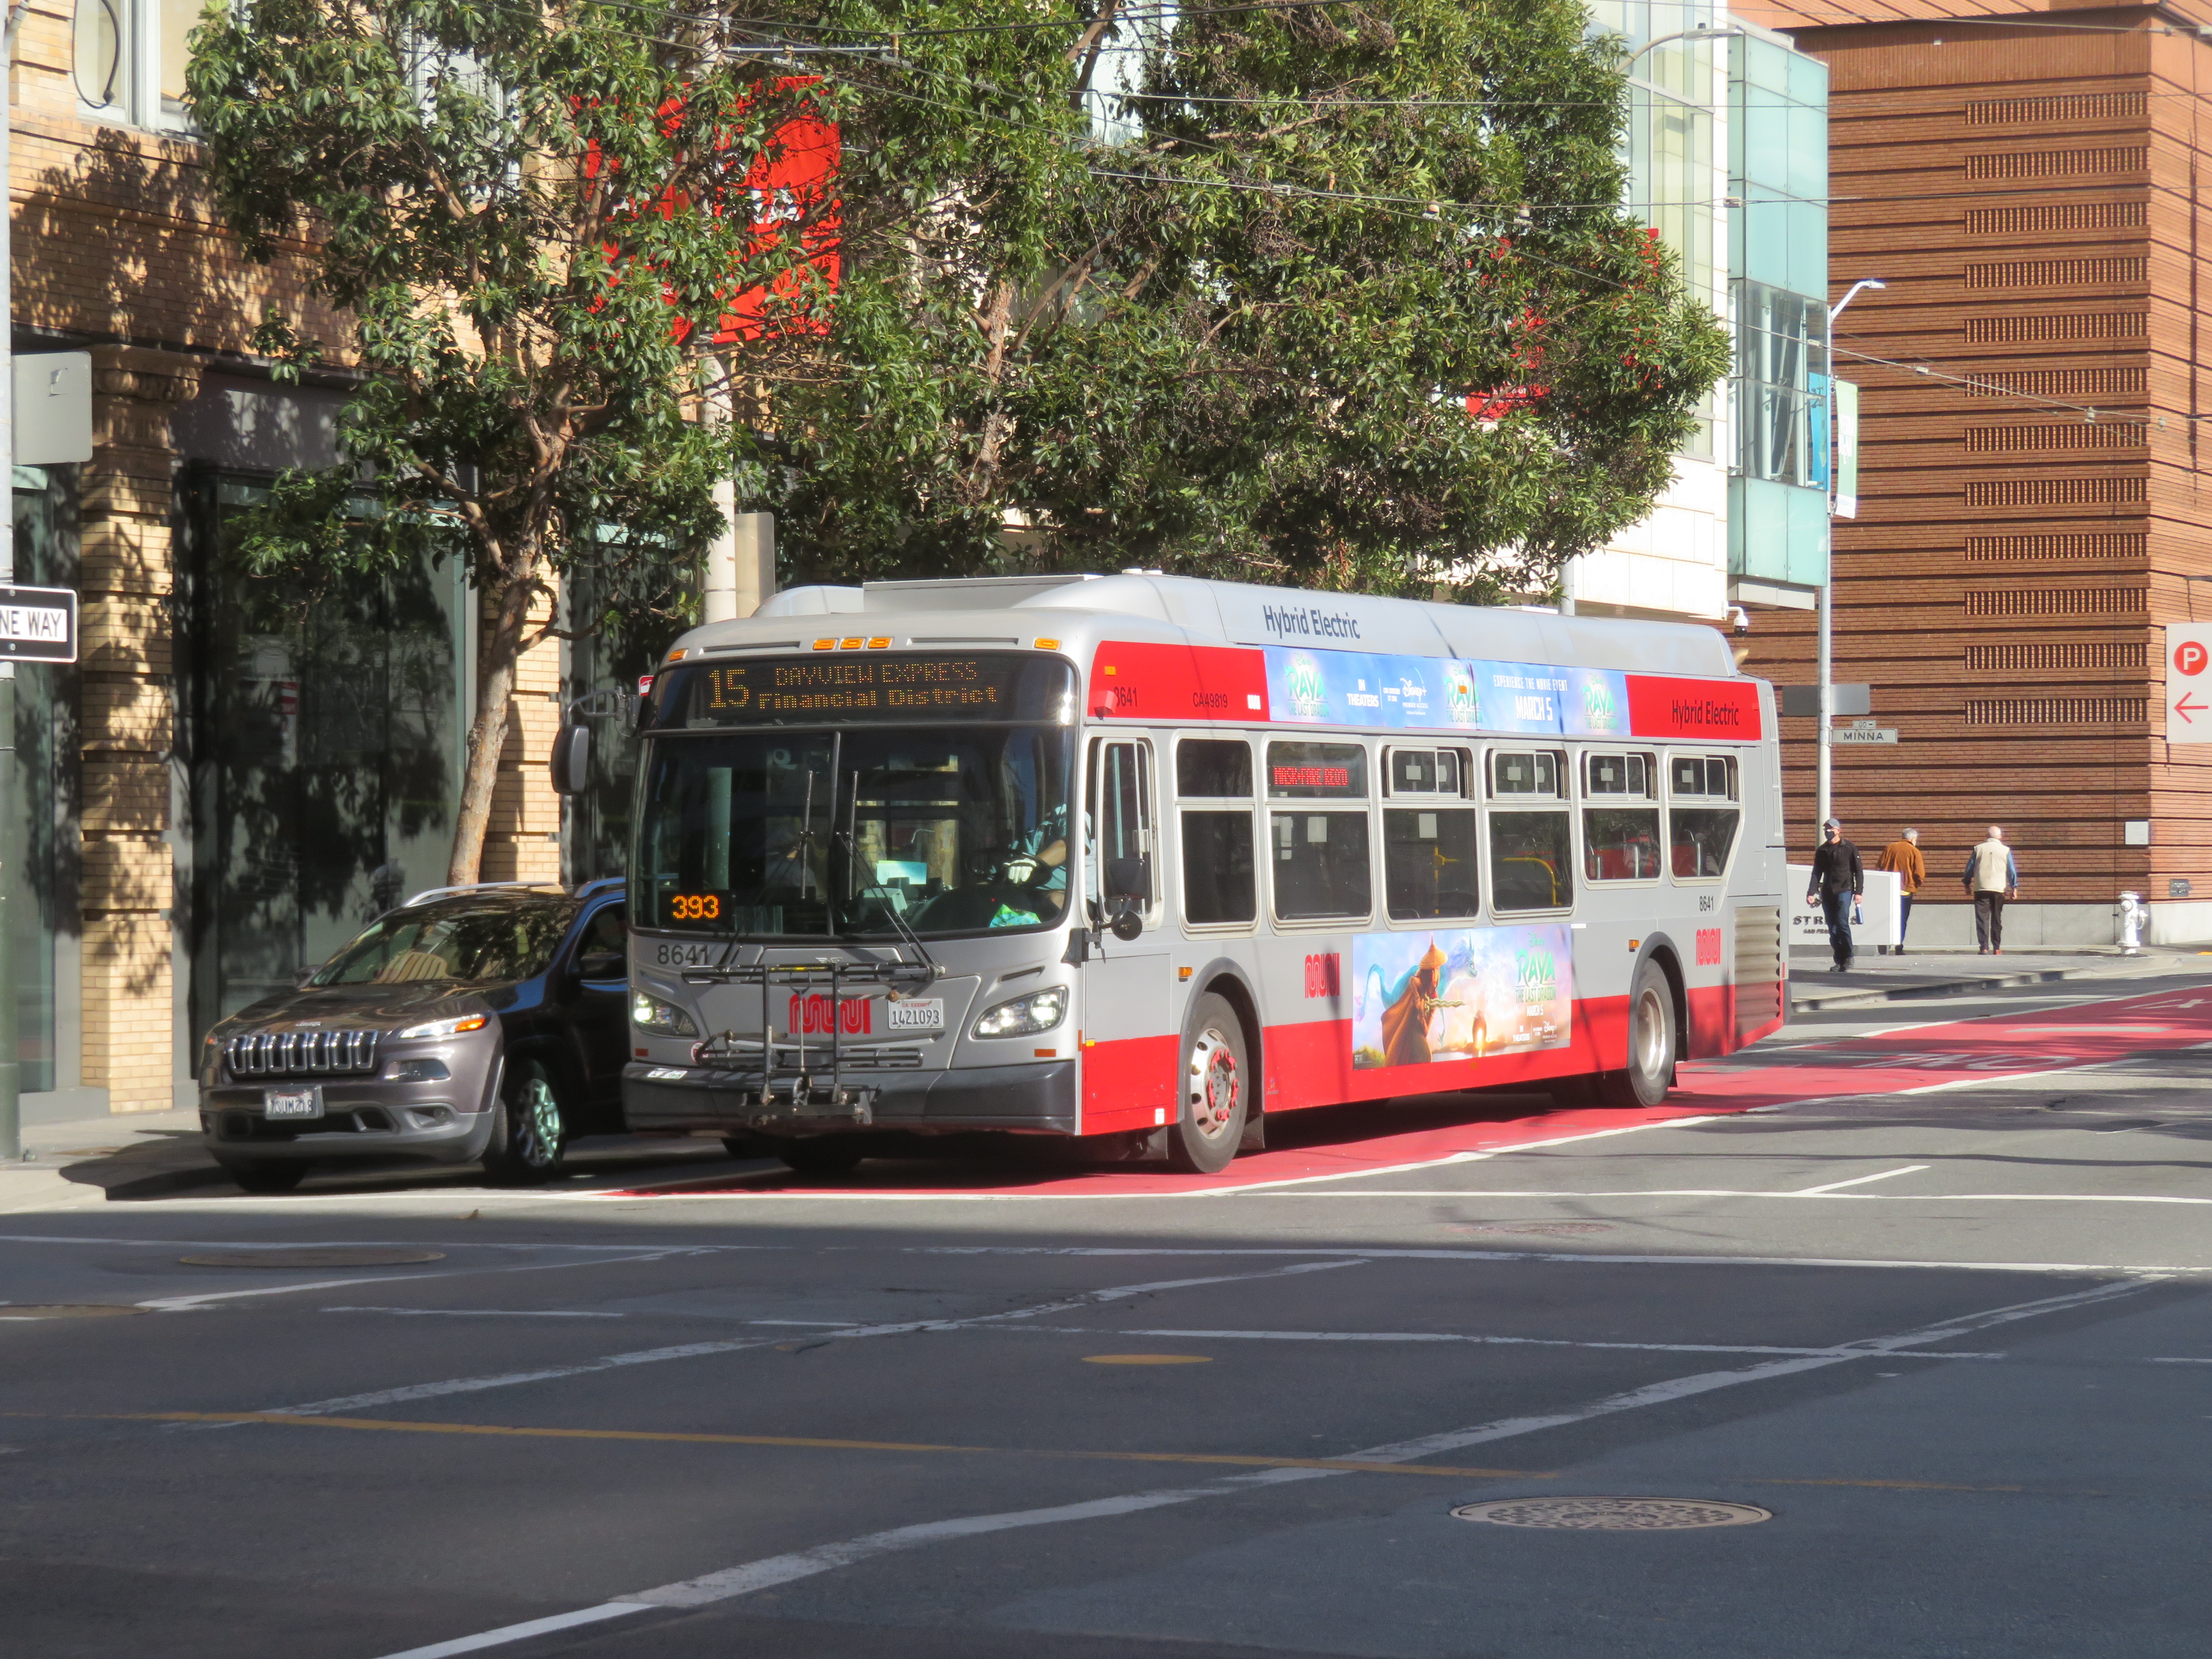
1151	860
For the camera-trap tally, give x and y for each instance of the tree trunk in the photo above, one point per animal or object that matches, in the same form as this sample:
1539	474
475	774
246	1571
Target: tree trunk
497	655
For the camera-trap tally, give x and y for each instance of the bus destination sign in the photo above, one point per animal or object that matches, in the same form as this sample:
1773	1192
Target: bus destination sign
840	689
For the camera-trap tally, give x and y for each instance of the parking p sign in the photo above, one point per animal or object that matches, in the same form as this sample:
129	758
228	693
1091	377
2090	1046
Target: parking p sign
2188	683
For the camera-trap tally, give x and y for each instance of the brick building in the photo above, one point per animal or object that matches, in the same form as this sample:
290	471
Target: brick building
2033	507
232	779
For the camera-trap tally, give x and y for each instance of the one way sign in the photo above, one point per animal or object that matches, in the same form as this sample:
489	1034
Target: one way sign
2188	683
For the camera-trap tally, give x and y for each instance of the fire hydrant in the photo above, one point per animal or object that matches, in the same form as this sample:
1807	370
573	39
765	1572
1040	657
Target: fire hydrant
2133	913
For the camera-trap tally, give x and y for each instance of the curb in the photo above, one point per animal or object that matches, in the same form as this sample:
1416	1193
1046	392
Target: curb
1863	998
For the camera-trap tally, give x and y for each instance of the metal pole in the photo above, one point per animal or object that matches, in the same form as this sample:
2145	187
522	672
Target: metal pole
1827	690
11	1124
1828	588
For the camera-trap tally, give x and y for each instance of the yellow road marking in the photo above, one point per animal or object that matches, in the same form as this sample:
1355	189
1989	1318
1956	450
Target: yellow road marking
1146	1359
396	1426
392	1426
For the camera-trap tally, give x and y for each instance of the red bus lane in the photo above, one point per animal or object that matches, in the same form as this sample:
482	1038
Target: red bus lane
1345	1142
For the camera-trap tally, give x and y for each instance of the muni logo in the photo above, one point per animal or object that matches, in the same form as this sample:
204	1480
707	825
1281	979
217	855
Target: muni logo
1324	975
1308	690
1536	975
811	1014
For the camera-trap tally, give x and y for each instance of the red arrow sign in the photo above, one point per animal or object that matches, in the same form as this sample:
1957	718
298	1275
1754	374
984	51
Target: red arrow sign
2186	708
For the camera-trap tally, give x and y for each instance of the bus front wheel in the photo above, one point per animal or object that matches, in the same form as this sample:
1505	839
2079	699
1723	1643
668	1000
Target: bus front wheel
1215	1075
1651	1044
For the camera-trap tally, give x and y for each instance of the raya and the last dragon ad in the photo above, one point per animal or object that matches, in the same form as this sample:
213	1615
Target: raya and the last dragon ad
1460	994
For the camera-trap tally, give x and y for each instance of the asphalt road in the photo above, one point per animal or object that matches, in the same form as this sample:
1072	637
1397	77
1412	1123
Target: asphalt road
1924	1283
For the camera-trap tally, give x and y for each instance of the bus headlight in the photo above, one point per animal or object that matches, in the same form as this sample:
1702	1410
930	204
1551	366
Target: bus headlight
1040	1011
651	1014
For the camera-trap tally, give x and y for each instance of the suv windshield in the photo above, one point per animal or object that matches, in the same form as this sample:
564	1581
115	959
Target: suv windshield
816	835
470	941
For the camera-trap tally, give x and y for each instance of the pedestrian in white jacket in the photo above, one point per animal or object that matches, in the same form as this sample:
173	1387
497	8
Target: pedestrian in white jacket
1991	878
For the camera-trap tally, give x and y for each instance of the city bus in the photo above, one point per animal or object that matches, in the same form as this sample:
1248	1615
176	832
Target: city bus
1150	860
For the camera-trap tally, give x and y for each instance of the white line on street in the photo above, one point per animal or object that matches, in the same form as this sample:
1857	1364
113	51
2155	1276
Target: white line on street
355	1244
2179	1359
187	1303
522	1632
1578	1258
736	1344
751	1576
481	1313
1857	1181
1500	1341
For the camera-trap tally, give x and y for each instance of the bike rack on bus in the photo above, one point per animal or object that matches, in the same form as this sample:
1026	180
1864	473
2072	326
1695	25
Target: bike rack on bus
773	1094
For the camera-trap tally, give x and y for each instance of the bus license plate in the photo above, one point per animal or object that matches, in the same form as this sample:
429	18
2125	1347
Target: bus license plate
915	1014
291	1102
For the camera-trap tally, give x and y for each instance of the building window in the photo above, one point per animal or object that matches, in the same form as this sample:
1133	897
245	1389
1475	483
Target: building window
130	58
1782	386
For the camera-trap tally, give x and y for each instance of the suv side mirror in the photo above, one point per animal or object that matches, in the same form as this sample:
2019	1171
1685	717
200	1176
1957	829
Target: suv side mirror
571	763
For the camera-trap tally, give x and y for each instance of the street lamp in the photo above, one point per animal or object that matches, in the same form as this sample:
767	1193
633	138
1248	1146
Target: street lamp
1827	743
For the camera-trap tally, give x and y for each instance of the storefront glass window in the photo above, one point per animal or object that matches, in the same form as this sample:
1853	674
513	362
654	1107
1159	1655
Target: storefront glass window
329	716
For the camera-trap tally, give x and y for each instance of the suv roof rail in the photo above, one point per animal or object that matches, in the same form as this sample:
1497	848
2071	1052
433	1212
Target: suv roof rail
430	893
601	885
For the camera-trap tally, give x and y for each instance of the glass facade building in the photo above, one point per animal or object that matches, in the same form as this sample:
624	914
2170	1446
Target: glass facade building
1777	541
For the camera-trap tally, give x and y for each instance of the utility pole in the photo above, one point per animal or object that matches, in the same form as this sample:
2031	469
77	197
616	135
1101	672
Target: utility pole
1828	588
12	1104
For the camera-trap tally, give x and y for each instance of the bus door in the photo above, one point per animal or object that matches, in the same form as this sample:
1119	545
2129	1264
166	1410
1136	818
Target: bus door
1129	1050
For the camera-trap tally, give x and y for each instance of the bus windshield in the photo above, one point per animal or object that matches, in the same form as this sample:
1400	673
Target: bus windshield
829	834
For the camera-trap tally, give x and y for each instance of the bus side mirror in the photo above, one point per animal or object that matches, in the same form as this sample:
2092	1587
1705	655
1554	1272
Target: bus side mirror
572	760
1130	879
1126	924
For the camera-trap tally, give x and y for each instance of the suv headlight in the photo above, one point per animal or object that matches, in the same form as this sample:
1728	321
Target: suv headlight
439	1028
651	1014
1040	1011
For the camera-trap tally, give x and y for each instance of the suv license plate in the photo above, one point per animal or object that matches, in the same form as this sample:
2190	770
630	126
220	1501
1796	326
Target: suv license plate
291	1102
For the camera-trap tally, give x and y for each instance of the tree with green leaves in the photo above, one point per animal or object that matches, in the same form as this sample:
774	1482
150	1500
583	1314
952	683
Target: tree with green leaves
533	215
1218	301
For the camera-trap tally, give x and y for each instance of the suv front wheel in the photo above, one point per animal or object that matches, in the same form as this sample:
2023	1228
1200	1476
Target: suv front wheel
530	1128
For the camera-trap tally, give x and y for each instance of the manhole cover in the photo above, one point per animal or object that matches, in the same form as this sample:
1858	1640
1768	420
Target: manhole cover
333	1255
1539	1229
62	1310
1613	1514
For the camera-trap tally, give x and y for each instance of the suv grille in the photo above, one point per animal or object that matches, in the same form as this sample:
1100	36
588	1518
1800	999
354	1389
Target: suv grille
300	1054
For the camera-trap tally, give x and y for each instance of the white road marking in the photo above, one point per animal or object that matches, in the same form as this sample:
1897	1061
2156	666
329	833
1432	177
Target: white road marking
2179	1359
481	1313
2147	1270
1857	1181
737	1345
1456	1336
522	1632
751	1576
355	1244
187	1303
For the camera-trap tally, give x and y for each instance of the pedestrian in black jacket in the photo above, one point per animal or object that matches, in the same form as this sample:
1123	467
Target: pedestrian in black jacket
1839	878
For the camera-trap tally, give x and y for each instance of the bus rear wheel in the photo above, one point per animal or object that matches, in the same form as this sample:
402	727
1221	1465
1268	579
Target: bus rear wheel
1214	1084
1652	1043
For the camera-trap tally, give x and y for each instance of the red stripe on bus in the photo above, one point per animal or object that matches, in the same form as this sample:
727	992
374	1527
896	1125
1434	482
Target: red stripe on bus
1178	683
1126	1083
1725	710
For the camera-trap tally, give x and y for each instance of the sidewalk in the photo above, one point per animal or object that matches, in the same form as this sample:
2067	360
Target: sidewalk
1872	980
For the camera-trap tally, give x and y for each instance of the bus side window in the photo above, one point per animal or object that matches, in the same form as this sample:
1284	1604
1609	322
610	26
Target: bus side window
1428	842
1620	817
1702	815
1531	838
1122	825
1218	889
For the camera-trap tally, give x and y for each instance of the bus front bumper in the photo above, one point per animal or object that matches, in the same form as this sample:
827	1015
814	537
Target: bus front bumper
1039	1098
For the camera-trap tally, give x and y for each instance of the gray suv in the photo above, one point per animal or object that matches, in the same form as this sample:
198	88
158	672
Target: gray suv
486	1023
